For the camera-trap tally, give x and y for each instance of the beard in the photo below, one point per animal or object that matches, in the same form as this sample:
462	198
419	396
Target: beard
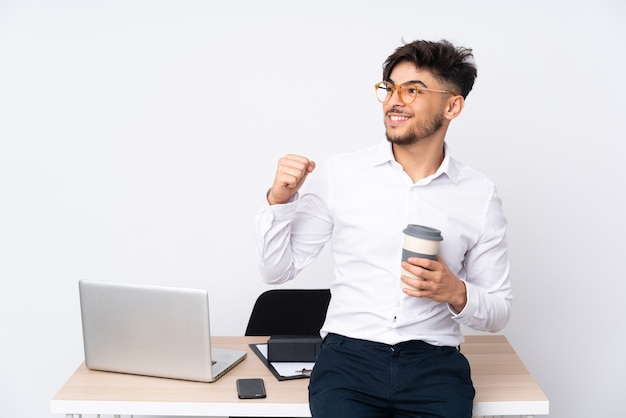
417	132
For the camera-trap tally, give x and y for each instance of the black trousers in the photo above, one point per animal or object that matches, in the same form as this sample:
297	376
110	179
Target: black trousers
362	379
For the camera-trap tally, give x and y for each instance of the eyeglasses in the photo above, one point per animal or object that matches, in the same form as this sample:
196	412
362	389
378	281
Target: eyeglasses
407	92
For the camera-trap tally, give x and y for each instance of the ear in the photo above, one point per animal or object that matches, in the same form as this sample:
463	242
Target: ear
454	107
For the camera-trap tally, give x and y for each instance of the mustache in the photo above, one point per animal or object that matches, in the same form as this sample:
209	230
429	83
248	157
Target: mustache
398	111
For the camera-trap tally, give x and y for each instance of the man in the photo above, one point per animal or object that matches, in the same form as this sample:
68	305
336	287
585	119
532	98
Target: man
390	350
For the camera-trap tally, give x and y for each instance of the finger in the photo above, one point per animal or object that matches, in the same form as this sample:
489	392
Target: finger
415	288
415	269
425	263
300	161
293	168
417	284
296	161
292	175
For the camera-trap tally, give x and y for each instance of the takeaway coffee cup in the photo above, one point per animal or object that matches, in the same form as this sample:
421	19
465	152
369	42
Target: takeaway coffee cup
420	241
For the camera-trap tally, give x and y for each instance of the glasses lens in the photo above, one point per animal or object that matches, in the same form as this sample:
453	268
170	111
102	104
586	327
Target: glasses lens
408	93
383	92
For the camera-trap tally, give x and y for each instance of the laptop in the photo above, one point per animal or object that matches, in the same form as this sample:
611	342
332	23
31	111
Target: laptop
151	330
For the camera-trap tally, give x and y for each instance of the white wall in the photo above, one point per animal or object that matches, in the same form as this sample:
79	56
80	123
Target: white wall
137	139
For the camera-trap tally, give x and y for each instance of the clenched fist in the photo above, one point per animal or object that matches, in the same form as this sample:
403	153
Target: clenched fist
290	175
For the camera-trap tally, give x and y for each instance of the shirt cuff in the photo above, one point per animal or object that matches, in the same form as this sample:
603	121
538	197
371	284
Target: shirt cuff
284	211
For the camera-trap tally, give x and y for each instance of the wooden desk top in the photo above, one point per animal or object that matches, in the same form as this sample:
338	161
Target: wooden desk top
503	387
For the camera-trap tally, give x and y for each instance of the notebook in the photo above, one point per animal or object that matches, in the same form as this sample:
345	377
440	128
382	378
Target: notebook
151	330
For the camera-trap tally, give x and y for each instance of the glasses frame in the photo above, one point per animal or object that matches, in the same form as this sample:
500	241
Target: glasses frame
398	88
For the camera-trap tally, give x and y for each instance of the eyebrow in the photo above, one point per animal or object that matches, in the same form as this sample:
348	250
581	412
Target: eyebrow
418	82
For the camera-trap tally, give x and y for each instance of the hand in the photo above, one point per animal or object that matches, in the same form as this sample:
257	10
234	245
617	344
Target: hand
435	282
290	175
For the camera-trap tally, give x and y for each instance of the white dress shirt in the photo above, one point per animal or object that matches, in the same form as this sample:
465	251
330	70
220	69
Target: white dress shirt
360	202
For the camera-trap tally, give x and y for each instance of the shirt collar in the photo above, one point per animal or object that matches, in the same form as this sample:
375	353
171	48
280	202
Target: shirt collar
384	155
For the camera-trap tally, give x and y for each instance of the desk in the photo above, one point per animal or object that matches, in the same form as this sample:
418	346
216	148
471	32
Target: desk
503	387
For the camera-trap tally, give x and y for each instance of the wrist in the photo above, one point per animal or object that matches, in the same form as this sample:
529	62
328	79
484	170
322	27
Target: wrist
270	199
281	199
460	300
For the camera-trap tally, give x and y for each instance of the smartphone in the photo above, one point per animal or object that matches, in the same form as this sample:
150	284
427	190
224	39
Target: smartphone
250	388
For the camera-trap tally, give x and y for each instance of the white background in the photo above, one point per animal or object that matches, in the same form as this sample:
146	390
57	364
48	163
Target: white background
137	139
